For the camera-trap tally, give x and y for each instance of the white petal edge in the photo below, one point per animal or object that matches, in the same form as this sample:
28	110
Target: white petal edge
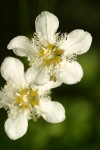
49	86
71	72
52	111
4	99
16	126
12	70
78	42
37	75
21	46
46	25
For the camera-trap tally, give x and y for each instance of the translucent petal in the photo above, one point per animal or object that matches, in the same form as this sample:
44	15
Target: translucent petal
52	112
78	41
21	46
12	70
49	85
71	72
46	25
16	126
37	75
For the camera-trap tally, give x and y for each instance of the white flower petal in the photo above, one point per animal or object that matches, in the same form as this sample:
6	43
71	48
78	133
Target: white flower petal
16	126
49	85
21	46
12	70
52	112
37	75
71	72
78	41
46	25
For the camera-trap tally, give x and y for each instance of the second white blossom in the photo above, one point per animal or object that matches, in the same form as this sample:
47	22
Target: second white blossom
24	101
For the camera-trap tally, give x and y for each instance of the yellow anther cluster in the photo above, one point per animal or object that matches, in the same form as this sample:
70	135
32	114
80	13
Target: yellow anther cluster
58	52
51	55
42	52
27	98
57	60
53	61
50	46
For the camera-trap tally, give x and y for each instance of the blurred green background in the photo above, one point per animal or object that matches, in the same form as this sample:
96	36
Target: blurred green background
81	129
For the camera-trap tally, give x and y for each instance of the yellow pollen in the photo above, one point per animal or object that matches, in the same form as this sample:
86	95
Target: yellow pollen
25	106
57	60
27	98
34	102
18	99
47	62
33	93
58	52
42	53
23	91
51	54
50	46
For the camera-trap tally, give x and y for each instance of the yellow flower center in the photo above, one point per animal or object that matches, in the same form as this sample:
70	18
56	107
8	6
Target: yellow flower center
51	55
27	98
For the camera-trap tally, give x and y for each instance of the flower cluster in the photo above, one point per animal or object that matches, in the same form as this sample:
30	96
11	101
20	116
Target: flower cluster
52	61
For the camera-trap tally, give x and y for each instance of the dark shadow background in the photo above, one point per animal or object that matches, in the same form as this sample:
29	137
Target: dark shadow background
81	129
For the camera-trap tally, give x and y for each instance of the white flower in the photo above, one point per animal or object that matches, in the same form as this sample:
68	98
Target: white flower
53	55
24	101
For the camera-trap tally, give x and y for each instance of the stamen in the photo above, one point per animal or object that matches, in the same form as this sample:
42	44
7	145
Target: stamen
18	99
34	102
58	52
25	106
41	53
48	55
47	62
57	60
27	98
23	91
33	93
50	46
